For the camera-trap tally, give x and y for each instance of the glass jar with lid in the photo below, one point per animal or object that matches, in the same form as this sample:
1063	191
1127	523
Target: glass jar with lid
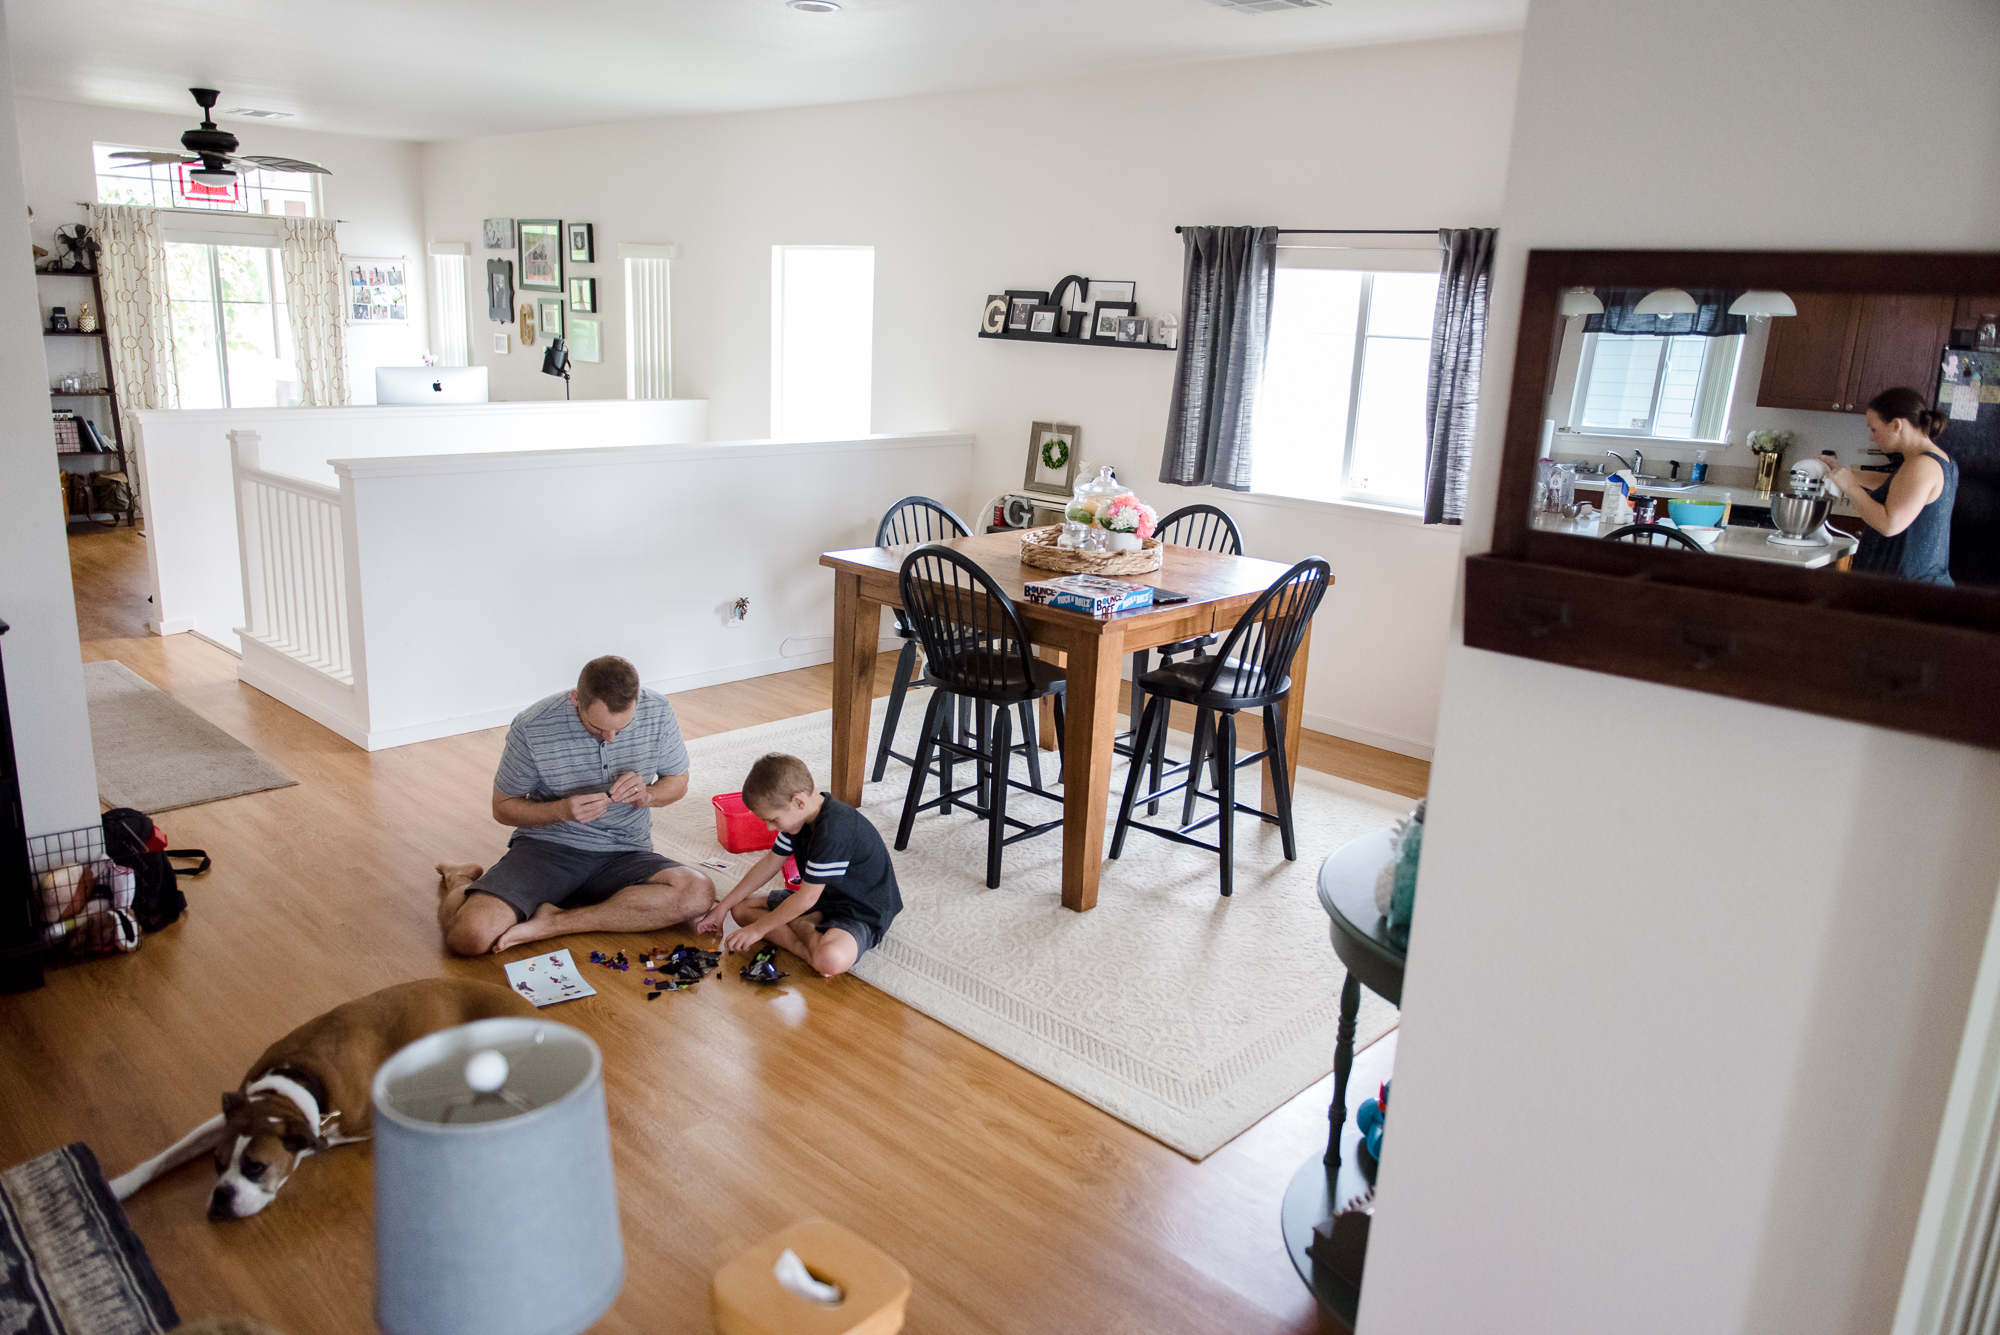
1092	495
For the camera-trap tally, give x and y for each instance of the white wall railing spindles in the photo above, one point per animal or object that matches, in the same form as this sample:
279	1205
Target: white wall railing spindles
294	566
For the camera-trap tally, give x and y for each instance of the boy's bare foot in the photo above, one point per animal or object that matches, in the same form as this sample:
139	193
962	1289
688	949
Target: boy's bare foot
541	926
453	877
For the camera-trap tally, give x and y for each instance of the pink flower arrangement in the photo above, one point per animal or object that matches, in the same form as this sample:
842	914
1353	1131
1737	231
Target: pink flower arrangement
1128	514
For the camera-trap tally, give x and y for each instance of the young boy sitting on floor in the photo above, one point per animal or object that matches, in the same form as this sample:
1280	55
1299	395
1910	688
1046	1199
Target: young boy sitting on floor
847	897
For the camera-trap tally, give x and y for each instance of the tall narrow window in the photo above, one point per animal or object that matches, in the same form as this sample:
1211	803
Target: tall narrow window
822	340
232	332
649	327
452	341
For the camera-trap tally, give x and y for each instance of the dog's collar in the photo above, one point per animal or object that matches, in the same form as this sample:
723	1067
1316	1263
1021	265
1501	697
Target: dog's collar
301	1087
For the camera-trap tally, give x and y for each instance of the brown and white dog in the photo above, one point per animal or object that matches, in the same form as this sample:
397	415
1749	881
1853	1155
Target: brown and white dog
310	1089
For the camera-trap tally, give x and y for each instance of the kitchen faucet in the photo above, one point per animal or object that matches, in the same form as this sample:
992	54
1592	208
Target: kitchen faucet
1638	464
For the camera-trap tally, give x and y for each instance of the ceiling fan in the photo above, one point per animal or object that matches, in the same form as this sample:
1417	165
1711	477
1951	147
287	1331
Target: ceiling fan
216	151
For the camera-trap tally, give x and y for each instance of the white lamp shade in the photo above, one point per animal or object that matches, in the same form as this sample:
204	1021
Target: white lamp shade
1763	303
501	1221
1666	301
203	177
1581	301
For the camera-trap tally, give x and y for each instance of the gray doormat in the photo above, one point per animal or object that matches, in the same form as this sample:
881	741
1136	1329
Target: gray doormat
156	754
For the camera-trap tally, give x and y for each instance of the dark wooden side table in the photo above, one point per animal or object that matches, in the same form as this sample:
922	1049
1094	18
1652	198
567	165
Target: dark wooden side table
1375	961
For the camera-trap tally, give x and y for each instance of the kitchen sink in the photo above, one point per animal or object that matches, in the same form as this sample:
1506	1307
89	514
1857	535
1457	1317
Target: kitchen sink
1665	483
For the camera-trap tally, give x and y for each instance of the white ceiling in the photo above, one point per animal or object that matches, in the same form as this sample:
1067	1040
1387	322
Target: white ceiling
440	69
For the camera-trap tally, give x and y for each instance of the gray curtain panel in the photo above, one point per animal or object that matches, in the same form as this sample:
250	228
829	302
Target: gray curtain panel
1458	344
1226	287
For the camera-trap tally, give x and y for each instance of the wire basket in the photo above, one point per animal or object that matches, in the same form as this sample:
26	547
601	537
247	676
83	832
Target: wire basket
74	880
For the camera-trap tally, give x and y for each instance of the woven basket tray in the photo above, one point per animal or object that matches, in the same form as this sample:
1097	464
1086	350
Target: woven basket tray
1038	549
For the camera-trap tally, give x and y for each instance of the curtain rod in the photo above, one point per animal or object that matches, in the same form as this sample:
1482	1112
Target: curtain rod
1352	231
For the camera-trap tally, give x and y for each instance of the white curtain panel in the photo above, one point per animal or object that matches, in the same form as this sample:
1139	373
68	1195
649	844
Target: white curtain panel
132	270
313	294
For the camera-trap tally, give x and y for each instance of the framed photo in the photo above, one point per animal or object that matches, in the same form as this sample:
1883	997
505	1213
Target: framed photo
375	291
585	341
1104	317
1042	320
500	344
1052	459
525	327
549	316
582	243
583	294
499	233
1131	329
541	254
1018	306
500	291
994	320
1100	290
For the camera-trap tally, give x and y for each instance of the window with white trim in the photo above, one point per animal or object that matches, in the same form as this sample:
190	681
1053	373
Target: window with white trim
170	185
1340	415
1676	388
452	342
649	326
232	330
822	341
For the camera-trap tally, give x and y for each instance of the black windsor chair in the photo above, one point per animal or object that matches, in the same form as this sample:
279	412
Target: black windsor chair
1654	535
1205	528
1252	671
912	519
976	649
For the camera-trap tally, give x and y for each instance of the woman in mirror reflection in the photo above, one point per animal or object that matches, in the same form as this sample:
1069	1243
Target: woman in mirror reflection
1908	517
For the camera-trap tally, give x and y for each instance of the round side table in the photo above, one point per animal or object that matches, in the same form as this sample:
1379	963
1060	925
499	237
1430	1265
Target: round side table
1373	960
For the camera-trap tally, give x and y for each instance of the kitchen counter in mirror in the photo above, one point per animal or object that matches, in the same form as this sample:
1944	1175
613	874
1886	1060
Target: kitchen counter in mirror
1750	544
1707	494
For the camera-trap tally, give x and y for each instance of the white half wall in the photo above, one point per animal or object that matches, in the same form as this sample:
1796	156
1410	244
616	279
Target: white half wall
183	463
1688	975
638	552
374	190
44	662
1410	135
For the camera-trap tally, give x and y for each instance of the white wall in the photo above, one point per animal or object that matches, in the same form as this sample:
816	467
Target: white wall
1682	1008
967	194
637	551
43	660
374	191
184	469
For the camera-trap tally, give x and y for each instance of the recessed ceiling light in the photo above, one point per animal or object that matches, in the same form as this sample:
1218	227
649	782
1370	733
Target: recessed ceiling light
814	6
260	115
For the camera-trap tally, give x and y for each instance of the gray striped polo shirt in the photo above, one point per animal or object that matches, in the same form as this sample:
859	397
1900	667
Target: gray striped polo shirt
551	755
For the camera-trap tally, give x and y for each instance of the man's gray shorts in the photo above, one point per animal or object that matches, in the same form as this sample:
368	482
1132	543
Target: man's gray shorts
535	872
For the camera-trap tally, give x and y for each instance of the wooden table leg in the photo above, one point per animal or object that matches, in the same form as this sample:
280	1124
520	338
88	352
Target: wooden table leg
1291	710
857	627
1092	721
1343	1062
1045	731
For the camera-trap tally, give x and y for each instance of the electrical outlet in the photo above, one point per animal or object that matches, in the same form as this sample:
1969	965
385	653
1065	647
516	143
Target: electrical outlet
739	612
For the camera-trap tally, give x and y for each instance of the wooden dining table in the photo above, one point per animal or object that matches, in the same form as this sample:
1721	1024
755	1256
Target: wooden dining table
1220	590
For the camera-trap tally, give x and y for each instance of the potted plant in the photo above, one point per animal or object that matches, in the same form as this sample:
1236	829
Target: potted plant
1770	447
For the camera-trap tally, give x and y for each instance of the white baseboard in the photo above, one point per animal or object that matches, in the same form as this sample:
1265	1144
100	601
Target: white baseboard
233	650
1384	741
171	626
331	719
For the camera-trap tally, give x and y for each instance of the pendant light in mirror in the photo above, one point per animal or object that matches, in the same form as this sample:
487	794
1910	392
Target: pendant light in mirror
1764	304
1581	301
1666	302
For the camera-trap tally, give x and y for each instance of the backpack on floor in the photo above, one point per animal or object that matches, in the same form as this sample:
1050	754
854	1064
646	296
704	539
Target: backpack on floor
132	840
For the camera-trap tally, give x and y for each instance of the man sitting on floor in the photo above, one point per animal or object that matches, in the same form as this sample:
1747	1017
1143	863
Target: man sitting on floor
578	781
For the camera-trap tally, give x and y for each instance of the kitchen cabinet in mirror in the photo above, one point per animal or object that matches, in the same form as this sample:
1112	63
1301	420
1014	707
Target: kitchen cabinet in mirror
1861	579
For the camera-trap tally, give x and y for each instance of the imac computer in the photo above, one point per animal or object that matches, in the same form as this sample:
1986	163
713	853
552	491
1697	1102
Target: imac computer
430	384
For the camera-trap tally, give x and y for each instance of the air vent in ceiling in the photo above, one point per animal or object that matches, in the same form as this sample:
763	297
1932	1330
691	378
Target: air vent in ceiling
1269	6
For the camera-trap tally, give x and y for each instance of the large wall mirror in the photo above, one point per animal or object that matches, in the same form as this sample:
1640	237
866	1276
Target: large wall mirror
1769	475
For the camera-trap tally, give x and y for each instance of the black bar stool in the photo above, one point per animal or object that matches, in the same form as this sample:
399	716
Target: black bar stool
975	649
912	519
1251	672
1206	528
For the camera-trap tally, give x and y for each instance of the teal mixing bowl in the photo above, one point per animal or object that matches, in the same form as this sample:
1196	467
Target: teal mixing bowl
1694	514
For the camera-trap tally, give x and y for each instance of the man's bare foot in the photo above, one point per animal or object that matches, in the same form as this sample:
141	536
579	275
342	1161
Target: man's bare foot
457	875
543	924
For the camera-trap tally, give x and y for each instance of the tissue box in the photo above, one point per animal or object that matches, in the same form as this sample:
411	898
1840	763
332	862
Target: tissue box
746	1298
1093	595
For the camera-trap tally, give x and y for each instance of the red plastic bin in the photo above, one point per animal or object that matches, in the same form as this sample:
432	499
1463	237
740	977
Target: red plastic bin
737	828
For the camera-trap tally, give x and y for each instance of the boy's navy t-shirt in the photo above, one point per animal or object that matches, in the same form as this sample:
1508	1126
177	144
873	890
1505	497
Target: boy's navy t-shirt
841	850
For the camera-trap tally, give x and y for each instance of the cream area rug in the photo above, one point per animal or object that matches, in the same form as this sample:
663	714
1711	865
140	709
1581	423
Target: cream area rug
1185	1014
154	753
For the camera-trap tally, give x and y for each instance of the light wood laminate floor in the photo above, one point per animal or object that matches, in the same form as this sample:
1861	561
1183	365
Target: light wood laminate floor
1016	1206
